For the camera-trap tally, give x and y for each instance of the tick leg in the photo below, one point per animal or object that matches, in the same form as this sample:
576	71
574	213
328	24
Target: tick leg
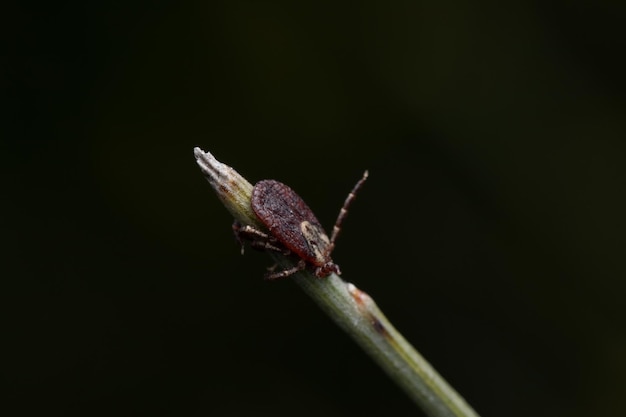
236	230
270	276
258	239
344	212
261	245
249	232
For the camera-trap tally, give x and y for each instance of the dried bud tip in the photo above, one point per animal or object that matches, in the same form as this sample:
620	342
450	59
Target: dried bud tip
231	188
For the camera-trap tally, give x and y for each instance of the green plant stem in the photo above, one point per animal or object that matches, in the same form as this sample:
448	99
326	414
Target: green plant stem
352	309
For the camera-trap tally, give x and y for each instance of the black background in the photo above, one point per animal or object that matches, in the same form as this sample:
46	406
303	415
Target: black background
491	230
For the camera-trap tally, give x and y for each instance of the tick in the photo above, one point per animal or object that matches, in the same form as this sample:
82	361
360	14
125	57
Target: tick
294	230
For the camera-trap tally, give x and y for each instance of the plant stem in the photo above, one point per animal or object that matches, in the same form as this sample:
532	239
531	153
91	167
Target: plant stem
352	309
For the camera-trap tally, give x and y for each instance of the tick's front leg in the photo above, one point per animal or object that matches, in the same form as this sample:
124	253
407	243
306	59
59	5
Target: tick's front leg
270	276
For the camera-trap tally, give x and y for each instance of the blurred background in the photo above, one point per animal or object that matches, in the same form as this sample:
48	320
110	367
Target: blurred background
491	231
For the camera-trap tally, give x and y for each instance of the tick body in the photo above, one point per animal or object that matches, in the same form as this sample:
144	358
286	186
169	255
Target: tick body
293	228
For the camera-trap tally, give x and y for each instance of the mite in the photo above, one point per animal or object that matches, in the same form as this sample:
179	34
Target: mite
293	229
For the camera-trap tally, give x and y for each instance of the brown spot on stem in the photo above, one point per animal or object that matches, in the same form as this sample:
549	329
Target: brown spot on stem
364	303
378	326
359	296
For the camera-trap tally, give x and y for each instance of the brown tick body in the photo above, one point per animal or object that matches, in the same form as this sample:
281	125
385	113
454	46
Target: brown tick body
293	228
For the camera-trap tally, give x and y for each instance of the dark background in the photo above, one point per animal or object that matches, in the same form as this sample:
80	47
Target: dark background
491	231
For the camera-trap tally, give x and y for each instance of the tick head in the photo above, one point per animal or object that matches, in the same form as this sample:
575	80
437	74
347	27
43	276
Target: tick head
327	269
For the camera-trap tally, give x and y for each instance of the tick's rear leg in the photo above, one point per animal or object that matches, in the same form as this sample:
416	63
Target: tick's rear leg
257	239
